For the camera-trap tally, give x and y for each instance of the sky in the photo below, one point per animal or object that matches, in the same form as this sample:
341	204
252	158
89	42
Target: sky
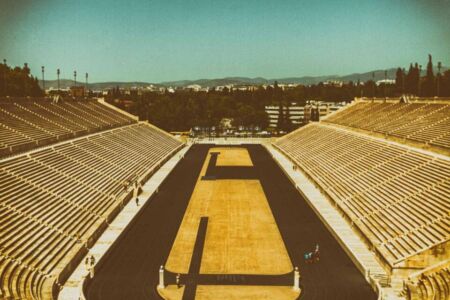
166	40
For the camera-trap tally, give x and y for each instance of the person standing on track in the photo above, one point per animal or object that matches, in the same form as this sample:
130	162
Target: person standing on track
317	253
308	256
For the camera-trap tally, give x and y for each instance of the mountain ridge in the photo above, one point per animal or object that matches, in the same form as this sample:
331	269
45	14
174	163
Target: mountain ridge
233	80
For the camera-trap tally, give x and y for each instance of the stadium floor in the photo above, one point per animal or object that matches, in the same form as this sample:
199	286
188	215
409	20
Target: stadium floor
130	270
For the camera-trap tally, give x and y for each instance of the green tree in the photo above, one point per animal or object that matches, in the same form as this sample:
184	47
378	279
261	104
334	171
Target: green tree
17	82
399	80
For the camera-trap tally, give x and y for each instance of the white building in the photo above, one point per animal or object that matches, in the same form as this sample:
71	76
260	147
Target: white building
336	83
302	114
385	81
296	114
194	87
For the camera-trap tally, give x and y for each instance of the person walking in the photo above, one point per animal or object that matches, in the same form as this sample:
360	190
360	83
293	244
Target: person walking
91	265
92	260
135	189
87	263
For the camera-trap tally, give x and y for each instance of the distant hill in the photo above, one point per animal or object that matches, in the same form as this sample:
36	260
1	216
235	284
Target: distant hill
379	74
66	83
218	82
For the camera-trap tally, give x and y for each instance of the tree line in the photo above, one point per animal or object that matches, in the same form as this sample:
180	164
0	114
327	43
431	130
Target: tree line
18	82
184	109
430	85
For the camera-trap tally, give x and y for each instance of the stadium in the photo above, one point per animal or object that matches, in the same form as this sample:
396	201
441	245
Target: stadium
369	183
224	150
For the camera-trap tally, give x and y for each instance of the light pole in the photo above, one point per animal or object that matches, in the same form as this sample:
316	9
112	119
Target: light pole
360	88
374	85
57	74
86	85
403	81
75	77
385	84
4	75
418	82
43	82
439	65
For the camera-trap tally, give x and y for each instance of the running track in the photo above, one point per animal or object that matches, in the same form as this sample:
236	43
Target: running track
130	269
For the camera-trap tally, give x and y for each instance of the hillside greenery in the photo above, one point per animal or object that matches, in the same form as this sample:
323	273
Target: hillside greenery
18	82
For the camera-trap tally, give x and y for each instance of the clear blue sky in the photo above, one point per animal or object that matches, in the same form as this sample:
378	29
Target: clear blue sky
162	40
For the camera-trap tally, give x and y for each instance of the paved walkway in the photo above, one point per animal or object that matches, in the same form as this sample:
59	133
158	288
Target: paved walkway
72	287
360	254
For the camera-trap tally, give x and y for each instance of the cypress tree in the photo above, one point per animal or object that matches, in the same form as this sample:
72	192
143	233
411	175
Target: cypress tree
399	80
429	88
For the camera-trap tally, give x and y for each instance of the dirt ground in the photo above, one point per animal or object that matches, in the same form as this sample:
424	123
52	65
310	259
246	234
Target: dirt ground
233	156
242	235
